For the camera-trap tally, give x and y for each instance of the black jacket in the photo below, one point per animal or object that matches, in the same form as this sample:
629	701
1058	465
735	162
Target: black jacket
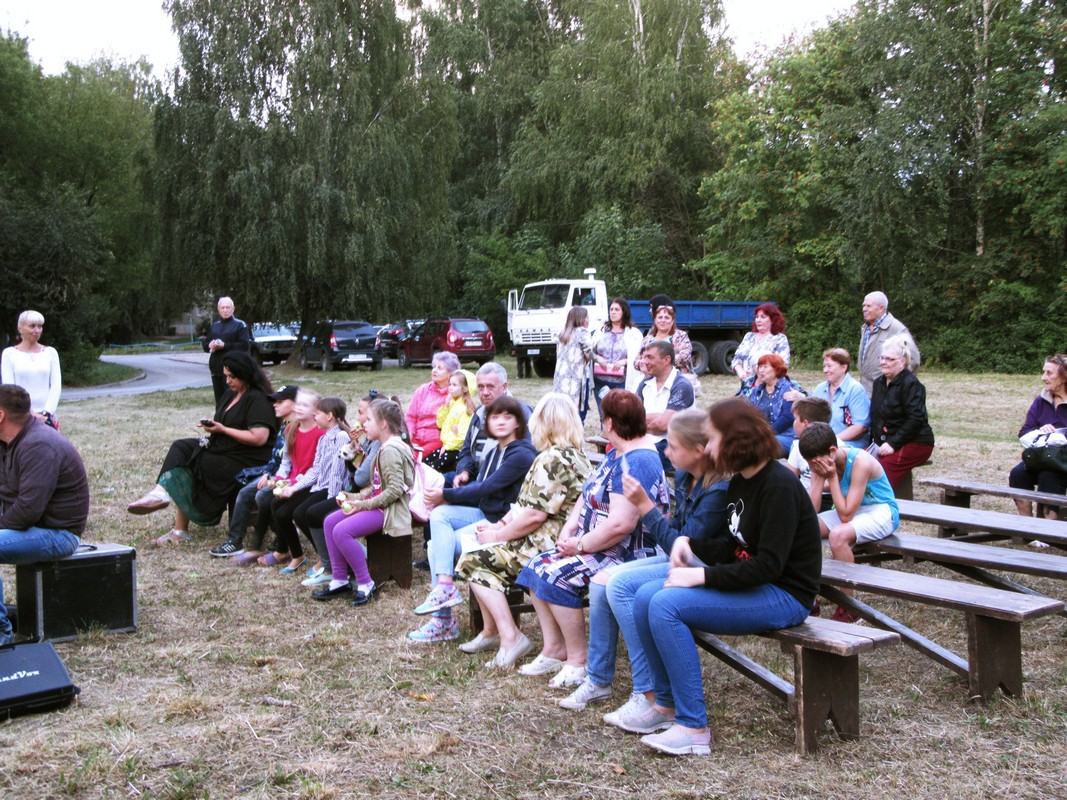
898	411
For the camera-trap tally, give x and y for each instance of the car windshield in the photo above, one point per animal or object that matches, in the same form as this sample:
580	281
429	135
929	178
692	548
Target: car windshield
552	295
469	326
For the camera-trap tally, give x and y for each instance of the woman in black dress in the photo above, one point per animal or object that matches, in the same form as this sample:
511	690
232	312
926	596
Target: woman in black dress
199	475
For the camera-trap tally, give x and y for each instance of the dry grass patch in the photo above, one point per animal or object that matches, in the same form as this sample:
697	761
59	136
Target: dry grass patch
237	685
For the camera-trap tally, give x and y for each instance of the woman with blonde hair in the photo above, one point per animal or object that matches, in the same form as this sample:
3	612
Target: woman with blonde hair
900	426
552	485
34	367
574	360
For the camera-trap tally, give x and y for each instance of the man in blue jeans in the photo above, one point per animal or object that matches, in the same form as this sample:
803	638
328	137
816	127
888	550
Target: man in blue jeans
44	492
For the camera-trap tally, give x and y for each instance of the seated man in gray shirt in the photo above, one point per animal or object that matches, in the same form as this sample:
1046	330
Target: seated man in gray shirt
44	492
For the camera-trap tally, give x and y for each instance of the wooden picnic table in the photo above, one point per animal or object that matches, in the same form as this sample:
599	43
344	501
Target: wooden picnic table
992	524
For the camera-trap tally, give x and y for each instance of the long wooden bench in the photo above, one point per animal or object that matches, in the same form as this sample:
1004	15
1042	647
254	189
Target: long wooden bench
958	492
992	524
971	560
994	619
825	668
826	678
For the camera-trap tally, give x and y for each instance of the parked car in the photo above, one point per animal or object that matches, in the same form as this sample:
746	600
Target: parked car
274	341
341	343
470	339
396	332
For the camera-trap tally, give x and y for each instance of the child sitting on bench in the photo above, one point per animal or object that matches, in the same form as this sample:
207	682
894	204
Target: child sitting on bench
865	509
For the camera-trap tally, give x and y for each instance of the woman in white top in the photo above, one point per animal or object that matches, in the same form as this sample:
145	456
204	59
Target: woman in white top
34	367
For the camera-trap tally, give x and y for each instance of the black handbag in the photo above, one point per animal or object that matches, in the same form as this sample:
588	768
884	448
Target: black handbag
1041	457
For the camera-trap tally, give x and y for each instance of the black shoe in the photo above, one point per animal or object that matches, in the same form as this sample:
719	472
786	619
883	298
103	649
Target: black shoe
326	593
421	565
361	598
227	550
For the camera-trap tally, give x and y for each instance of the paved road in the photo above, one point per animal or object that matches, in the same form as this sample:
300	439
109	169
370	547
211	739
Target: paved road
162	372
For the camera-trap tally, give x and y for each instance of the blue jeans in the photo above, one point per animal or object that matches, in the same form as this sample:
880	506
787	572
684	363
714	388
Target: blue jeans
443	548
664	618
29	547
611	611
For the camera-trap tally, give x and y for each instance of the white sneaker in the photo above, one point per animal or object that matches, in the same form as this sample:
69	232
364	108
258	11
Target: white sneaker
542	665
568	676
647	721
637	705
317	580
585	694
505	659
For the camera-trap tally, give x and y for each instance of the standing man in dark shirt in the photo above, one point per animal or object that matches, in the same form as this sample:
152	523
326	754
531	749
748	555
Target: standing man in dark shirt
226	335
44	492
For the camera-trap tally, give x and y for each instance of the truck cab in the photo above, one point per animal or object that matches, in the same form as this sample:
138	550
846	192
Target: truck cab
536	317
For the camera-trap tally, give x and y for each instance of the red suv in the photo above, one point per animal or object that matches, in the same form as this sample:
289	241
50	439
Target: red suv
470	339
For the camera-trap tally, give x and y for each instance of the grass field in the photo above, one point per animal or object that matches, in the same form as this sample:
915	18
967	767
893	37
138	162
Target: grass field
237	685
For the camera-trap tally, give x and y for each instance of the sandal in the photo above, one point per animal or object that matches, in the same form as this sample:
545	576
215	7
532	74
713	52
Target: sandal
271	560
175	536
294	565
247	559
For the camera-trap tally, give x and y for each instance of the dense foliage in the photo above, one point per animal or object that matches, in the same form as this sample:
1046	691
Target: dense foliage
77	226
338	158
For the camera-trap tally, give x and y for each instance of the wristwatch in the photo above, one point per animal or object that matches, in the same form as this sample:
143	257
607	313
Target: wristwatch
581	546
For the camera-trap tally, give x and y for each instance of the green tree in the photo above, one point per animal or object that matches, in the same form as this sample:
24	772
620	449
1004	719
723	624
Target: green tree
306	159
77	220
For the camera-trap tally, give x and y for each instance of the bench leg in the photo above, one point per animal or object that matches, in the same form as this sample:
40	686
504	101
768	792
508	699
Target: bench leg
389	557
827	687
994	654
951	497
516	602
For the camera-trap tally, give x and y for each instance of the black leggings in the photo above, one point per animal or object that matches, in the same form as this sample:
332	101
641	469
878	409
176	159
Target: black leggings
312	515
281	511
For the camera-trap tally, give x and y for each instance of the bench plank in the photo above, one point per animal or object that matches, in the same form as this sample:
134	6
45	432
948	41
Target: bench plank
966	597
949	551
995	522
958	492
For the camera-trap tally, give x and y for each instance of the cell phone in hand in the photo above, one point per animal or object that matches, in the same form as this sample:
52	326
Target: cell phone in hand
207	423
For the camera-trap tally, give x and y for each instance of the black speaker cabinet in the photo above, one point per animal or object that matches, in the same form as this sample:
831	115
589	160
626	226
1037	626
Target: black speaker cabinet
94	588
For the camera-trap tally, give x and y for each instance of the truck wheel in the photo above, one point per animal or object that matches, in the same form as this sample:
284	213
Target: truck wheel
404	359
722	353
544	367
700	358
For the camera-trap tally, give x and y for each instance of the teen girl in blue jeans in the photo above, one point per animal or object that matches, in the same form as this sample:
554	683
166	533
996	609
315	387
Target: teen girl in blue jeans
763	576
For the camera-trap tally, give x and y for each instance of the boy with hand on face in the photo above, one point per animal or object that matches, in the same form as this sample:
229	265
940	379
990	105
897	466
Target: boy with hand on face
865	508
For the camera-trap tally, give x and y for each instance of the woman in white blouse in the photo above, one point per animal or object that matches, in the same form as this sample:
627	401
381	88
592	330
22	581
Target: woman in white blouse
34	367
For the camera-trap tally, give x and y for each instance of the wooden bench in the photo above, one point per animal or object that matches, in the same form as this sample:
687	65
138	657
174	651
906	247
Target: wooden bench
826	678
825	668
972	560
992	524
958	492
994	619
389	557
